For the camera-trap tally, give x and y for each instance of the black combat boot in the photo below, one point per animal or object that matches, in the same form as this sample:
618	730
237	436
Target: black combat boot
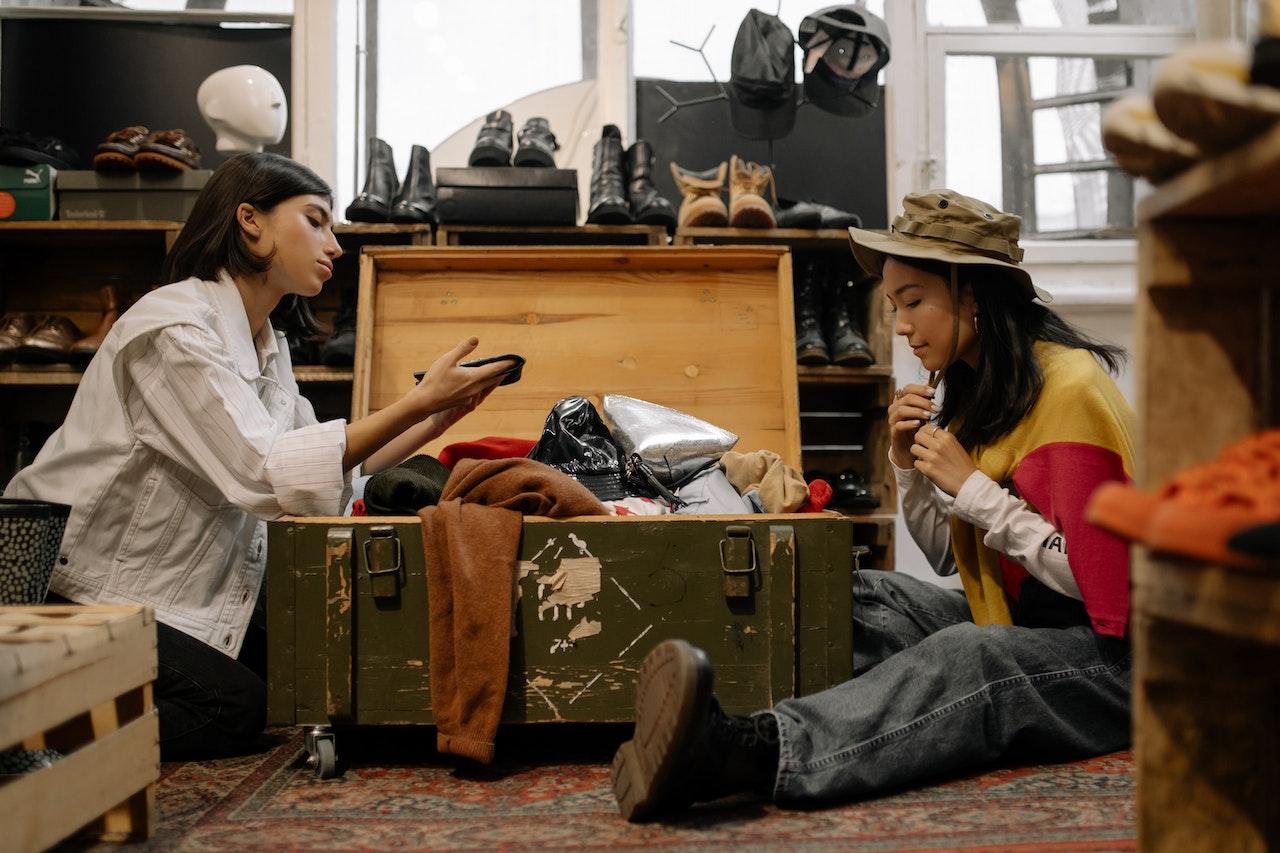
608	192
339	350
380	185
685	748
416	201
845	339
538	144
493	142
647	206
810	279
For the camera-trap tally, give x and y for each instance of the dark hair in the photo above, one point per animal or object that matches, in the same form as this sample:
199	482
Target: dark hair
211	241
993	399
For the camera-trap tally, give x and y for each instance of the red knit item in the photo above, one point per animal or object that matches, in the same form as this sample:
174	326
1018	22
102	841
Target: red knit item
820	493
357	507
491	447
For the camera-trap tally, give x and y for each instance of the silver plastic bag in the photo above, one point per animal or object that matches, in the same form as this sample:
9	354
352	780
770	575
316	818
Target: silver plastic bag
672	443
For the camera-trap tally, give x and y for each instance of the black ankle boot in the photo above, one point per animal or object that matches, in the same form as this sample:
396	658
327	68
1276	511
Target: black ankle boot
380	185
339	350
416	201
845	340
608	192
647	206
811	347
685	748
493	142
538	144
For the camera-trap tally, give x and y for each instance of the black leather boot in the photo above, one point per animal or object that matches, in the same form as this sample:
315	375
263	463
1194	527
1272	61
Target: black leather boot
647	206
608	192
686	749
416	201
538	144
810	275
380	186
340	348
493	142
845	339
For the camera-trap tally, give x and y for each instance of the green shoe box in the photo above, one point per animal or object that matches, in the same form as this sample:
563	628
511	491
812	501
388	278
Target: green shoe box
87	195
26	193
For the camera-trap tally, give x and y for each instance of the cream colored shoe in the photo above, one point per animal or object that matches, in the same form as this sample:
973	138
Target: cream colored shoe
701	206
1202	93
747	205
1143	146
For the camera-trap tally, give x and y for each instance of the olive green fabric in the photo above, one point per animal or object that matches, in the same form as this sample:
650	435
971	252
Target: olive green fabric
943	225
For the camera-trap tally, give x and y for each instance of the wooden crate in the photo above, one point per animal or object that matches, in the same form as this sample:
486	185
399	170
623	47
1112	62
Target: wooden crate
78	680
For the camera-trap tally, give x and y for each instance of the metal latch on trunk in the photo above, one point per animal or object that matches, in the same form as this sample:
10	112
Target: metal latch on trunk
738	561
384	561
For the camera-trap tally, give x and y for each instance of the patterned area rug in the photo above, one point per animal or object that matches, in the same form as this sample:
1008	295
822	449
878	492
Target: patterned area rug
551	791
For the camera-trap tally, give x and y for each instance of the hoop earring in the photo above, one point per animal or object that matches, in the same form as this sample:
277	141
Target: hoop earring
975	321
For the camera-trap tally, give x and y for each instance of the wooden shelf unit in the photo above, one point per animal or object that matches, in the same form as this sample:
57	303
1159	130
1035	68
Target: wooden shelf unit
1206	637
459	234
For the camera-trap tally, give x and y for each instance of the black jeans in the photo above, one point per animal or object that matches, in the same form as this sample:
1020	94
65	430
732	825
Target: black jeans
210	705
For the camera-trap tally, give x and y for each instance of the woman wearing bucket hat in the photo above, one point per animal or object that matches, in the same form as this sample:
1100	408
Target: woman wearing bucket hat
1030	661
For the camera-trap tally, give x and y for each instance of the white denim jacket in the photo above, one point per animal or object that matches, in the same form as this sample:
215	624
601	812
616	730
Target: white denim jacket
185	434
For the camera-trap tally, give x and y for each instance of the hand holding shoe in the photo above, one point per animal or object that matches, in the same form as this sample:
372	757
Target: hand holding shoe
448	384
912	406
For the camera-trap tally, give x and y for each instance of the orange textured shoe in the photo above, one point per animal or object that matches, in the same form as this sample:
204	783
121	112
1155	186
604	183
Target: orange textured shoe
1199	509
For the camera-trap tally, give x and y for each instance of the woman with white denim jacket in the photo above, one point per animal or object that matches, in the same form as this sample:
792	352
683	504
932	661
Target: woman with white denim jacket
187	433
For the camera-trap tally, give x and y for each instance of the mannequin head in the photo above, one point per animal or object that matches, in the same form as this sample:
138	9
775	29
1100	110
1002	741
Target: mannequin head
245	106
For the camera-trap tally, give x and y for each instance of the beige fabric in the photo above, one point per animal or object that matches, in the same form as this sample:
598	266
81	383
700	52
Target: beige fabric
781	487
1144	147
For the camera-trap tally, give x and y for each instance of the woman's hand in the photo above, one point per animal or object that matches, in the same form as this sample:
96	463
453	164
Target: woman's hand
940	457
440	422
912	407
447	386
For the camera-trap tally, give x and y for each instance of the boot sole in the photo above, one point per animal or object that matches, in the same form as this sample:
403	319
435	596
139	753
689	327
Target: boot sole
155	161
363	211
704	213
489	155
752	214
673	693
611	214
113	161
856	359
813	357
534	157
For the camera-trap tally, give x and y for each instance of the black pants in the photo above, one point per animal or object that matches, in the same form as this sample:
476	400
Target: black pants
210	705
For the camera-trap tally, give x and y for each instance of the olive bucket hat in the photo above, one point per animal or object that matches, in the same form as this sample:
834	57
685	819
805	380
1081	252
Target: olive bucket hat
943	225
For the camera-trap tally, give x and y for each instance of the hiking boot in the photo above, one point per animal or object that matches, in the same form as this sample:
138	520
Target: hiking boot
116	152
845	339
1202	93
747	183
701	206
167	151
381	185
493	142
416	201
608	191
685	748
538	144
811	347
647	206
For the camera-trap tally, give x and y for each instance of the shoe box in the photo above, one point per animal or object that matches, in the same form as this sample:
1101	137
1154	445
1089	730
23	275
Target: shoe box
507	195
26	192
130	195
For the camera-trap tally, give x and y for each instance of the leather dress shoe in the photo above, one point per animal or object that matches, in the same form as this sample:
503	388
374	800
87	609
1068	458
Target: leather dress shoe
83	350
50	341
538	144
493	142
416	201
116	152
381	186
13	328
168	150
810	214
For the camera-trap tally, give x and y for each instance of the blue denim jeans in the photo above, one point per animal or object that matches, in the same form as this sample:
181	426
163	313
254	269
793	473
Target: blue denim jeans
934	695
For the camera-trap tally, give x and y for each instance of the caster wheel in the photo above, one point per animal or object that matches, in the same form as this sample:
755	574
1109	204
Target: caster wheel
326	759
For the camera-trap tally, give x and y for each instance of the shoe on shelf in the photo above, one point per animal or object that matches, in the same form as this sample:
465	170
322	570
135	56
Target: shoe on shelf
83	350
116	152
811	214
845	339
1203	94
1199	510
167	151
811	346
1144	147
13	328
416	200
20	148
685	748
701	205
49	342
493	141
647	206
339	349
609	204
381	186
850	491
747	205
537	144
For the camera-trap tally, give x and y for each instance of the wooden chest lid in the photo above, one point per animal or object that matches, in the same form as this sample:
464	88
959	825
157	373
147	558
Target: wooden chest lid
707	330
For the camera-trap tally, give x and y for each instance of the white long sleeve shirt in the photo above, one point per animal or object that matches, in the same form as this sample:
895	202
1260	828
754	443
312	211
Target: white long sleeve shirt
1012	527
185	435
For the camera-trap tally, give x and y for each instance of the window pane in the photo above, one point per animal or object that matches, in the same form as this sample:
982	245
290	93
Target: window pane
1061	13
1018	153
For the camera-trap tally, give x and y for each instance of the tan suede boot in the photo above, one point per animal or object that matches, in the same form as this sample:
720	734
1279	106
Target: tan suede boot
747	183
702	206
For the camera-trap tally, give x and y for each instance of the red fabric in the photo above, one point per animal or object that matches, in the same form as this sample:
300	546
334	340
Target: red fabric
492	447
1057	480
820	493
357	507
